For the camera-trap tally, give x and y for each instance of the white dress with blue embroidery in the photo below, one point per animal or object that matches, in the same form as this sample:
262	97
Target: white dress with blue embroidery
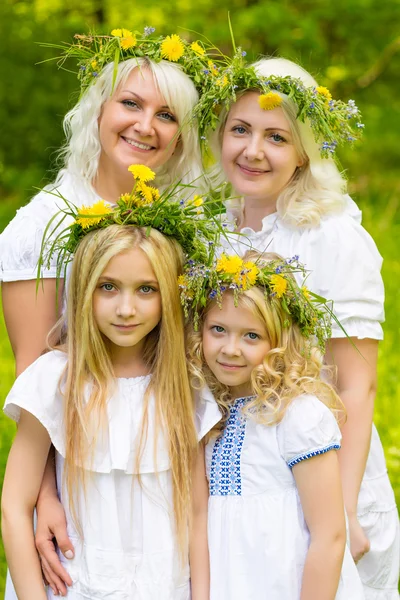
258	537
128	550
344	265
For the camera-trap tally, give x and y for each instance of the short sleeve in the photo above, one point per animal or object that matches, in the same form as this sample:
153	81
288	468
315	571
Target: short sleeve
307	429
36	390
207	412
344	265
21	240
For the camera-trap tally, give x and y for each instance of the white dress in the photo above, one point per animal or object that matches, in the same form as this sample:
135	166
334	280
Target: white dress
21	240
128	550
258	537
344	266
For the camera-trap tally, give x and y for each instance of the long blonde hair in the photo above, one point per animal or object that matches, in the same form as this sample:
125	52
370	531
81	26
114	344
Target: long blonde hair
290	368
89	379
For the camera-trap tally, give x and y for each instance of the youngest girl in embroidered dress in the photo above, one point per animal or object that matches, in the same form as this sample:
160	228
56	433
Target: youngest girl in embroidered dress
116	403
276	523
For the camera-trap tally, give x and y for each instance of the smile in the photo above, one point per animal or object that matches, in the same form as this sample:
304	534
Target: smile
138	145
229	367
250	171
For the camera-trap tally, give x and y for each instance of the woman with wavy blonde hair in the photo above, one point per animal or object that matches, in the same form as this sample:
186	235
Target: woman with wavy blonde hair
116	403
276	522
276	142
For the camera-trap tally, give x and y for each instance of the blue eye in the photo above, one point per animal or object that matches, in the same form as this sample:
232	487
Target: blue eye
218	329
130	103
166	116
276	137
252	335
239	129
107	287
147	289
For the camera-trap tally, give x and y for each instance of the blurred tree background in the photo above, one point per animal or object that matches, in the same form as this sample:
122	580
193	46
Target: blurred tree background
350	46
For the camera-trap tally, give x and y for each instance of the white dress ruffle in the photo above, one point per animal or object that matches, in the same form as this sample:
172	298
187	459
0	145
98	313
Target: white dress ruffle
258	536
128	550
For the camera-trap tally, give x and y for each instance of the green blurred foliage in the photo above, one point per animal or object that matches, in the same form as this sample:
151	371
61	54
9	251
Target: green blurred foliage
351	46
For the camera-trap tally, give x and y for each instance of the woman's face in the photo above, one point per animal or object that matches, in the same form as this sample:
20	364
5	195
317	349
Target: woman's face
258	154
136	126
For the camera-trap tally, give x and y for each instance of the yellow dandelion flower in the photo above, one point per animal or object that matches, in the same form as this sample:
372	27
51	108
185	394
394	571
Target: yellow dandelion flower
142	173
121	33
323	91
92	215
145	192
195	46
229	264
182	281
128	42
278	285
252	272
247	276
155	193
197	200
94	64
125	197
172	48
213	68
306	292
269	101
222	81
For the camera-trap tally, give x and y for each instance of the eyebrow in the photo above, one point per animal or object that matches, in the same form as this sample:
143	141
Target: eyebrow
142	99
266	129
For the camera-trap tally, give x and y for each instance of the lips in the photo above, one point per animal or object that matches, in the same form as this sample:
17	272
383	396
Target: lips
250	171
142	147
125	327
230	367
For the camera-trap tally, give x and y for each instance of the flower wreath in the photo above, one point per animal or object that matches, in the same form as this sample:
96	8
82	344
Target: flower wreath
93	52
333	122
172	213
311	312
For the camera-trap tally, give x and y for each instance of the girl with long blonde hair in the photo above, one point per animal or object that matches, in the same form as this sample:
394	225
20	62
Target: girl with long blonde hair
276	522
116	403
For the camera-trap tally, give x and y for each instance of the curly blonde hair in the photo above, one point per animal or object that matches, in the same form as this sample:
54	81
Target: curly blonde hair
293	366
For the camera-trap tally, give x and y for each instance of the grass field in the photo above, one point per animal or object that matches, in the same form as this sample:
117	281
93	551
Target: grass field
380	221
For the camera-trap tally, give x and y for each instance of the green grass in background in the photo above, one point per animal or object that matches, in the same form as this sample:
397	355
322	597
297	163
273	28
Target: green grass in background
379	220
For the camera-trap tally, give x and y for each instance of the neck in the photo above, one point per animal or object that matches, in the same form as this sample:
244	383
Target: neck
254	212
110	185
128	362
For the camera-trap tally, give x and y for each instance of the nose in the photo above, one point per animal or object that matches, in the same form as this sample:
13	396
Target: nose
254	149
231	346
126	306
144	124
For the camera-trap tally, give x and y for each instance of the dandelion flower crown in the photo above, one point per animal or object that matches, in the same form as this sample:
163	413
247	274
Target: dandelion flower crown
333	122
311	312
93	52
175	213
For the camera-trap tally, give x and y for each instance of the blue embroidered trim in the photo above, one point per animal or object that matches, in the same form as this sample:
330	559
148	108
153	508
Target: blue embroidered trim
302	457
225	475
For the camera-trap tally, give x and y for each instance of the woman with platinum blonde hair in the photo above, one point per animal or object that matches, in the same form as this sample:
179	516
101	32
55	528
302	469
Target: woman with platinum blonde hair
277	141
132	110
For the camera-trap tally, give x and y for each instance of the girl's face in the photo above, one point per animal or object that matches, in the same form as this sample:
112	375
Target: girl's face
235	341
136	126
127	303
258	154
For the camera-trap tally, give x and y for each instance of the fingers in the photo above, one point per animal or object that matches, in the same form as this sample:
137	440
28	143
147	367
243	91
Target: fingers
63	542
54	572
